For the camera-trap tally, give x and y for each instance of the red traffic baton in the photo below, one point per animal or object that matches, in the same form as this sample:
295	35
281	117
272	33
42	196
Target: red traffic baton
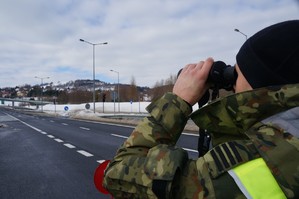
99	177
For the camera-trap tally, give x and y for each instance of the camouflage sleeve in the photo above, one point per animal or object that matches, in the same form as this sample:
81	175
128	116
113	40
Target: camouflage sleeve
168	118
125	176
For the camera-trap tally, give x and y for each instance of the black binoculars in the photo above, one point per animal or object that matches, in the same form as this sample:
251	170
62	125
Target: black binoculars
222	76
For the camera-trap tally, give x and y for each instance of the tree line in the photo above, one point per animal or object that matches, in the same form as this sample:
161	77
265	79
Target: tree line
126	93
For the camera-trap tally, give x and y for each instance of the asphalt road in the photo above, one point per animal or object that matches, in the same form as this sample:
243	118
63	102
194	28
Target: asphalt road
52	157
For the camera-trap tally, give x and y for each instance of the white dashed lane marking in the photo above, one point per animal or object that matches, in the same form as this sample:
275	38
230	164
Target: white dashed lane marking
50	136
58	140
70	146
85	153
84	128
82	152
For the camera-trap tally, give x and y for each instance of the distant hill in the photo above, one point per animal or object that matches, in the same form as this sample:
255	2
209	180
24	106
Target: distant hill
76	85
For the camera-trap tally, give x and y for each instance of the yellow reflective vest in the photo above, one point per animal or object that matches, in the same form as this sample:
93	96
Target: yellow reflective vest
256	181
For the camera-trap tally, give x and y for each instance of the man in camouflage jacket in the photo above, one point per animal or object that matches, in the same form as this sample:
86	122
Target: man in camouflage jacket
260	121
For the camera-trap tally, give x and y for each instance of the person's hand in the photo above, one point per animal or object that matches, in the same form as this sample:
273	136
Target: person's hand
191	84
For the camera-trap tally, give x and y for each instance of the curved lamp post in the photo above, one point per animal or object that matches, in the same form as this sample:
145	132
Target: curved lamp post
237	30
93	47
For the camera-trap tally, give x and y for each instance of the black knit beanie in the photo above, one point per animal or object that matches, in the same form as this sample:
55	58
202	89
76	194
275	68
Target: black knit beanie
271	56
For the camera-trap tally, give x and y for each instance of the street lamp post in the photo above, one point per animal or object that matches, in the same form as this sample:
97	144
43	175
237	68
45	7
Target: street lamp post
118	98
42	82
237	30
93	48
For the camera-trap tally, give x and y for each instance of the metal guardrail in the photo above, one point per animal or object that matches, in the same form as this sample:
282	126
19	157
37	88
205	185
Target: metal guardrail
35	102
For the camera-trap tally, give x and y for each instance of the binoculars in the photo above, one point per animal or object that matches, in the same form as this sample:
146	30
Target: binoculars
222	76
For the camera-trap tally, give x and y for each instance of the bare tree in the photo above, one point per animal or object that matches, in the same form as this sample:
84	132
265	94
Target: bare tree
133	93
163	86
80	96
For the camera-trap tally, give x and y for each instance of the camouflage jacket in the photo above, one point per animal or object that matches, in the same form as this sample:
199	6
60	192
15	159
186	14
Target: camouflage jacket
149	165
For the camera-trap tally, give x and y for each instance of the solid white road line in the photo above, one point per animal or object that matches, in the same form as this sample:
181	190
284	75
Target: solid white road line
121	136
191	134
82	152
191	150
85	153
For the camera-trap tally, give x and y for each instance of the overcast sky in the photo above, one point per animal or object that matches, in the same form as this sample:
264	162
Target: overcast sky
147	39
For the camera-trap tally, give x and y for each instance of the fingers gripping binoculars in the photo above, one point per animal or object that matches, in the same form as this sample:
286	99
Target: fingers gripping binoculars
221	76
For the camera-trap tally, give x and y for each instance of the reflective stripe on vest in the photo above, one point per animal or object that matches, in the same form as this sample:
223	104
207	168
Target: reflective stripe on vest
255	180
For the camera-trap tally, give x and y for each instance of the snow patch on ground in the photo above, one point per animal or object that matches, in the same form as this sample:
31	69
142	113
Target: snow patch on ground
123	113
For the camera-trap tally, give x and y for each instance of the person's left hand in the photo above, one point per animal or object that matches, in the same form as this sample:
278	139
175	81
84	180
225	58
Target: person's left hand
192	84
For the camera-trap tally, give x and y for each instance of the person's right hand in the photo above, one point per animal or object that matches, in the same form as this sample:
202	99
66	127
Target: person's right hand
192	84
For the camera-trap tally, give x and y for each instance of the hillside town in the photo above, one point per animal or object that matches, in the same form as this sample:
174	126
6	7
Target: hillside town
81	91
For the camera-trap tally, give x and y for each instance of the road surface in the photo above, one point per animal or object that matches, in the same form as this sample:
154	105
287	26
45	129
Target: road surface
54	157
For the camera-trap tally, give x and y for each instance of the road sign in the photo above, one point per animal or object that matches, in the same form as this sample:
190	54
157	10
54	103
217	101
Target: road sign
66	108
